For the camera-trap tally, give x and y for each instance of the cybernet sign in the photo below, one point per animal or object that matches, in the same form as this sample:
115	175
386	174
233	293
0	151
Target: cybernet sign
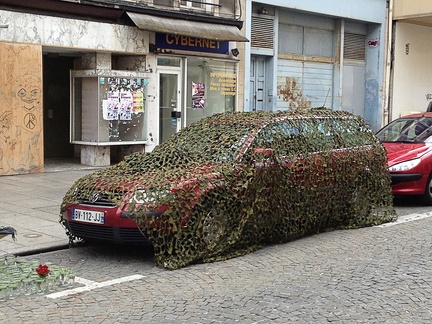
188	43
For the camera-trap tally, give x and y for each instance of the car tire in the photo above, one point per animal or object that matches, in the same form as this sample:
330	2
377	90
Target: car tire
358	205
360	197
427	195
213	226
212	229
200	238
218	223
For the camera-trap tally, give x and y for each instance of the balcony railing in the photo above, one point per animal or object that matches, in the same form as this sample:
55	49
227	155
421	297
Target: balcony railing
228	9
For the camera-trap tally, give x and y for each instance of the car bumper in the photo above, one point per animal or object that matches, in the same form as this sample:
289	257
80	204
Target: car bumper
396	178
119	226
408	184
118	235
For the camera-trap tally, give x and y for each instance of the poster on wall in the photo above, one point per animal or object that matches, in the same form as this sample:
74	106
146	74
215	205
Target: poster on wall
125	109
110	106
124	97
198	95
137	102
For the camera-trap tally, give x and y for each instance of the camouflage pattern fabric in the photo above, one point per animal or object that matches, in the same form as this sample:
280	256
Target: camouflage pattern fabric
234	182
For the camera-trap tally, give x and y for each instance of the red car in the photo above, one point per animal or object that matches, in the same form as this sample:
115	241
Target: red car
234	181
408	142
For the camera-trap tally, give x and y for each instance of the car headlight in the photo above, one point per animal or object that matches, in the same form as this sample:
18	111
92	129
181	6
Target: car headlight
404	166
143	196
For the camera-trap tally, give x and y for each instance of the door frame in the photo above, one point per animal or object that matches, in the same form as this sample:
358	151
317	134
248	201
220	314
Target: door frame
266	94
179	108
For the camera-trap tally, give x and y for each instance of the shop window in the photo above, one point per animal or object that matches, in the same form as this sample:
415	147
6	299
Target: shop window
108	110
211	88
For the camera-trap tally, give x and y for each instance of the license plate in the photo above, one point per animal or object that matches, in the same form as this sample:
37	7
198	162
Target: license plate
88	216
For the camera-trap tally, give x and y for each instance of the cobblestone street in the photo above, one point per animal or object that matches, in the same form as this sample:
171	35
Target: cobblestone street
369	275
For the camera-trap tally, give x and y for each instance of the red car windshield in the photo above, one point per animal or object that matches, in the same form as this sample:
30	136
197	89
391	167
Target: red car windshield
200	142
223	142
408	130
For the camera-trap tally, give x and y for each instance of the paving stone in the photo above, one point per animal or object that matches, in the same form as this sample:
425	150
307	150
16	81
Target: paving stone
369	275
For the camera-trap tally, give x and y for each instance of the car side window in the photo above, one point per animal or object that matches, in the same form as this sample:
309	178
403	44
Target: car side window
282	137
351	133
292	137
319	134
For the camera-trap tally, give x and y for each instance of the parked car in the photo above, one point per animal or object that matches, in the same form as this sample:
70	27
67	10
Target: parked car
232	182
408	142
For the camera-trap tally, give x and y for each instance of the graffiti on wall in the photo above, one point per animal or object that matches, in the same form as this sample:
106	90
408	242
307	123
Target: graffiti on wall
21	145
288	90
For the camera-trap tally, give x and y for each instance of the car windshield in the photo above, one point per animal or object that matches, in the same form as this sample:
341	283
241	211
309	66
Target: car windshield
197	143
222	142
409	130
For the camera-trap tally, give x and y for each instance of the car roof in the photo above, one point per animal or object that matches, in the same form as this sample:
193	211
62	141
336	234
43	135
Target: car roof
418	115
261	118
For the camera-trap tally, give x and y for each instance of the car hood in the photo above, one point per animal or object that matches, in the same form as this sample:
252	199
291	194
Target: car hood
118	183
164	177
398	152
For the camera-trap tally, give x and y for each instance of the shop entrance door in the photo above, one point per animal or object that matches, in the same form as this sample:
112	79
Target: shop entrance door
170	119
257	83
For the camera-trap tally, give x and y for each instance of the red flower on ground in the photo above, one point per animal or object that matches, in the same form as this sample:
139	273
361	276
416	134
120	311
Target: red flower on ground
42	270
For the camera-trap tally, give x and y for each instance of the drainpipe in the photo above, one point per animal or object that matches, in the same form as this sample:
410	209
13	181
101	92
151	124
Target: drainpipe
387	114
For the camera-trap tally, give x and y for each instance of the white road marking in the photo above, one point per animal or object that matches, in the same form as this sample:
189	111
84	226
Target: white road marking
406	219
83	281
90	285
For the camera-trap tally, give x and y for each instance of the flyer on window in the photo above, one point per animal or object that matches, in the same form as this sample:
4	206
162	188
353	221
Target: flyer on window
198	95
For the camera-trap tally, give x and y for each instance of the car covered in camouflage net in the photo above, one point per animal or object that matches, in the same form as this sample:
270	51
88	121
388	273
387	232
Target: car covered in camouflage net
233	182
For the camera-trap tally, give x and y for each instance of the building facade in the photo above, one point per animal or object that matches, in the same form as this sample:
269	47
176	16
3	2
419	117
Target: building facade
411	88
317	54
101	80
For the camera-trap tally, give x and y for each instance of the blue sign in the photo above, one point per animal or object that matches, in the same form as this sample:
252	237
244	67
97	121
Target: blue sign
188	43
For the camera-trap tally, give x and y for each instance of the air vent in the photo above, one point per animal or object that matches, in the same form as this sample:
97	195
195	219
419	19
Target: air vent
354	47
262	31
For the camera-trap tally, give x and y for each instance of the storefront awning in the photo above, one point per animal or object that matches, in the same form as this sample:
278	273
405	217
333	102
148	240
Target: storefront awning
187	28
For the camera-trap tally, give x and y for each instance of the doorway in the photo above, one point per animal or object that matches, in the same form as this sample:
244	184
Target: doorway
170	119
56	106
257	96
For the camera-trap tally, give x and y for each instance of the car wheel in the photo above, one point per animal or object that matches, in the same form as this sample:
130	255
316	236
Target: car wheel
214	225
360	202
358	206
427	195
208	232
218	223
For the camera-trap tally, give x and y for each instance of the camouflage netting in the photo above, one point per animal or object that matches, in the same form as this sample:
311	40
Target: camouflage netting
234	182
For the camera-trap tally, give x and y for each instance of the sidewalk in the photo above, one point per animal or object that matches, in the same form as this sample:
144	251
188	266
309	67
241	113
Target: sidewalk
30	203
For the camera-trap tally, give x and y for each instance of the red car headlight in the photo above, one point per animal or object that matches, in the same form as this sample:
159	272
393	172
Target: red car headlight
405	166
144	197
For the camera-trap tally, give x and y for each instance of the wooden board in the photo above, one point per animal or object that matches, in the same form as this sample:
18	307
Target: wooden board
21	129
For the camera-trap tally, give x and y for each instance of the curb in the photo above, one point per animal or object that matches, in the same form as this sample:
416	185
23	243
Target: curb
42	250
